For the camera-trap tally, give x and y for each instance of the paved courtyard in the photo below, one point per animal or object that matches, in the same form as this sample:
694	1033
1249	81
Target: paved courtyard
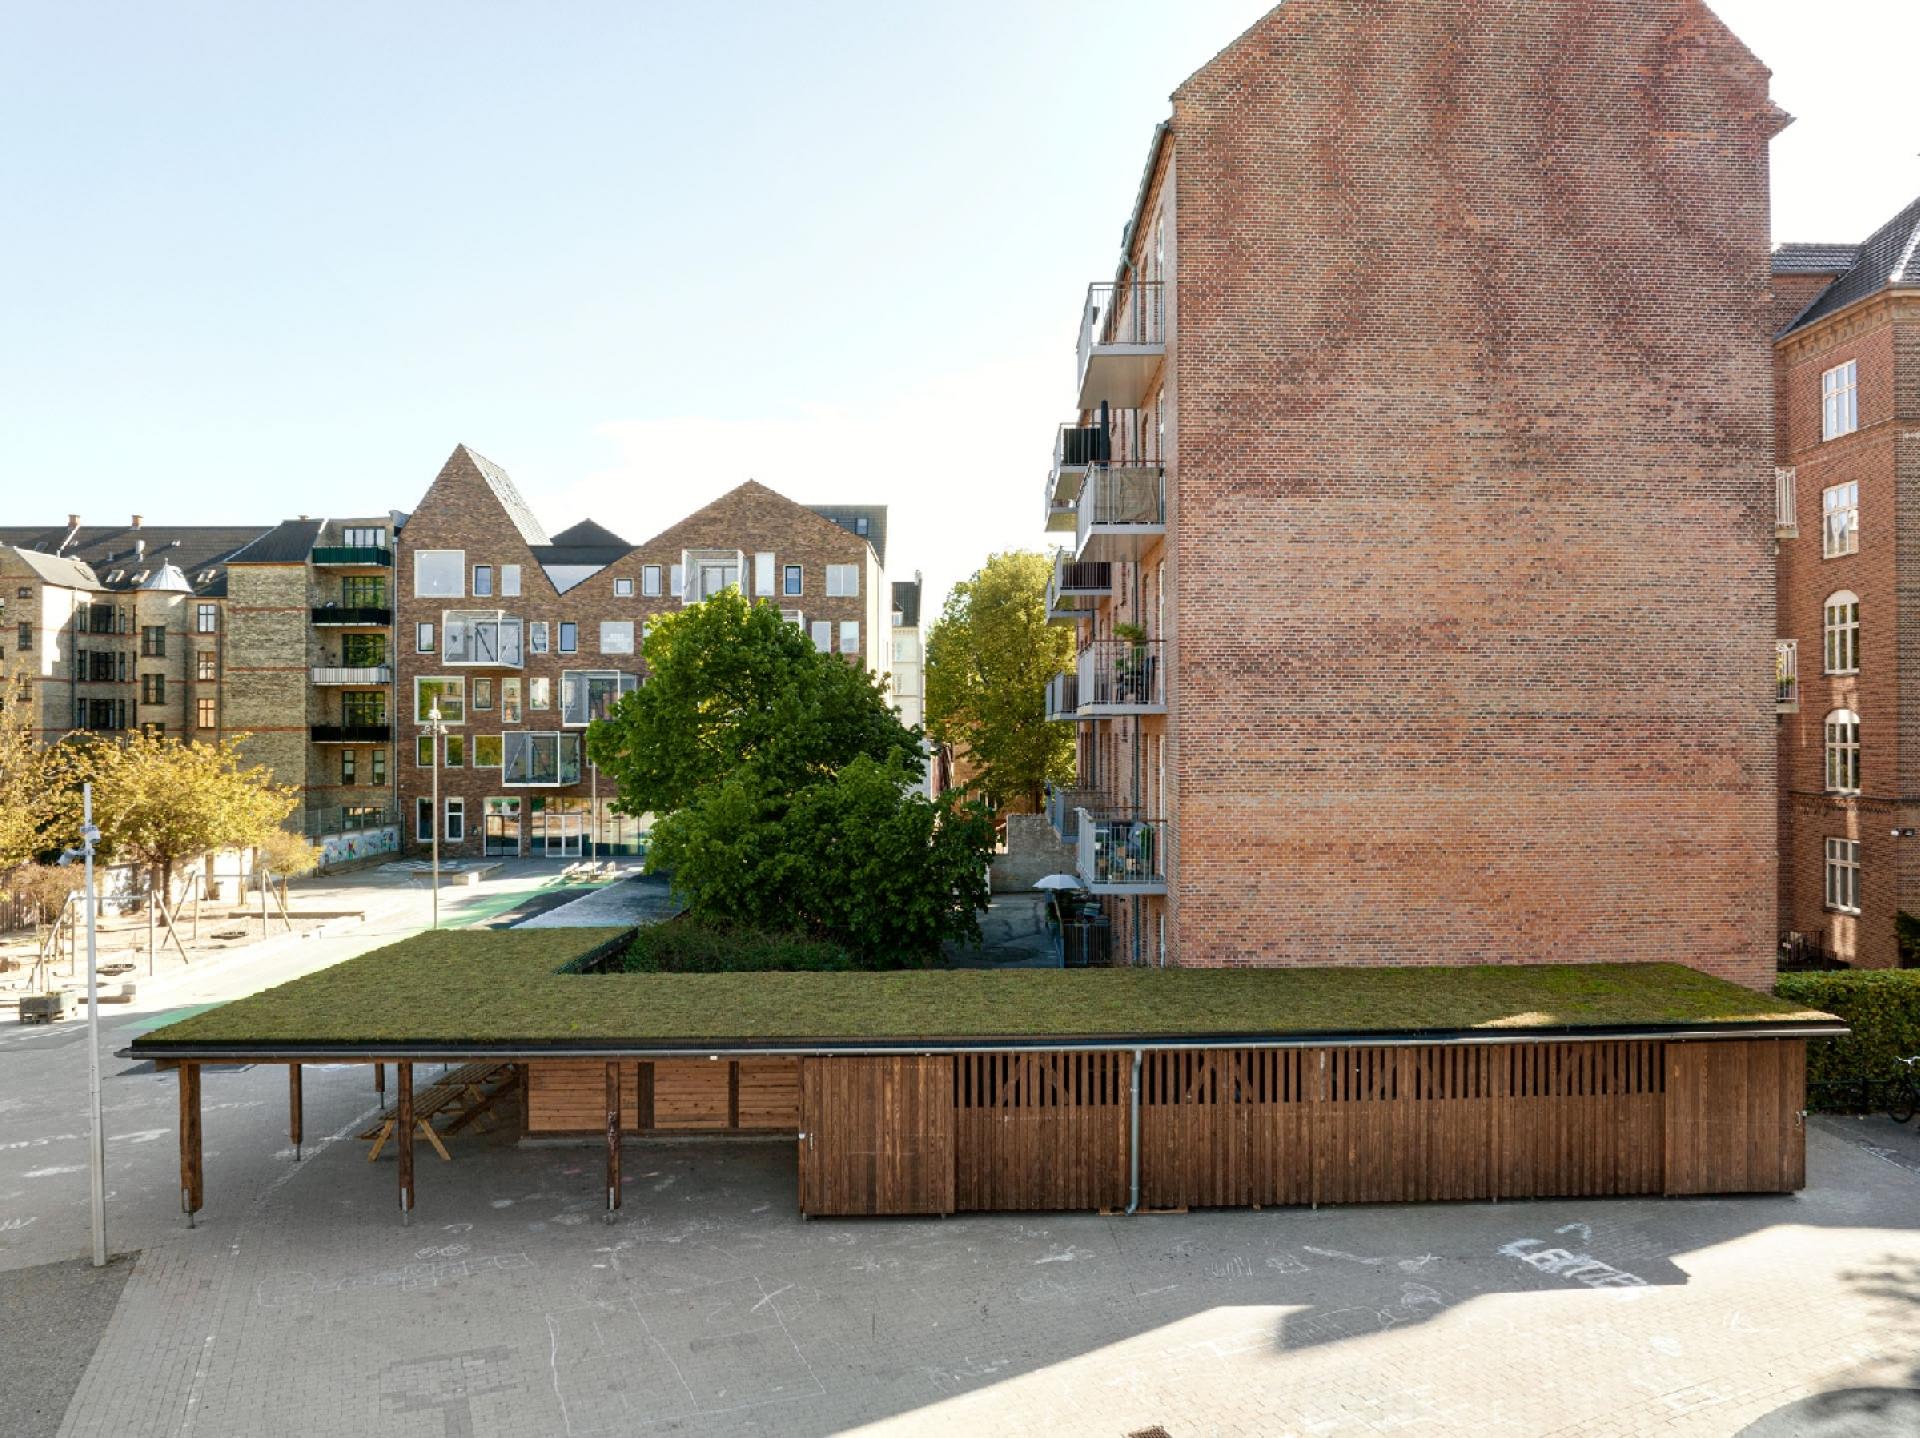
302	1305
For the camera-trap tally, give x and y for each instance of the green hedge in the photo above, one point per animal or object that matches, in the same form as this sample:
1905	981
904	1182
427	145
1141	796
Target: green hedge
685	946
1881	1006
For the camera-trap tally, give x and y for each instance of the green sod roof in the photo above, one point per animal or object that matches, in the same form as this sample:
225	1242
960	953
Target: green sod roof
505	989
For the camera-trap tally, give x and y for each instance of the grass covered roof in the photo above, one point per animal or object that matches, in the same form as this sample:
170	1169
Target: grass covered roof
508	989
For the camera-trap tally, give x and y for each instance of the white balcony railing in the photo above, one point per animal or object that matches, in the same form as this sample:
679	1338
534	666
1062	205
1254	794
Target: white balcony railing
1121	513
363	674
1123	335
1786	521
1121	855
1786	675
1122	676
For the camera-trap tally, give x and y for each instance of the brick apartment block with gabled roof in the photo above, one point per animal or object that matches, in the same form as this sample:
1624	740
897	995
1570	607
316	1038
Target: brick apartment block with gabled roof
1847	521
523	638
1416	489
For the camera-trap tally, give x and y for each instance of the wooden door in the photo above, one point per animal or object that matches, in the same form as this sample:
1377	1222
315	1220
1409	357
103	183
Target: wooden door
1733	1121
876	1135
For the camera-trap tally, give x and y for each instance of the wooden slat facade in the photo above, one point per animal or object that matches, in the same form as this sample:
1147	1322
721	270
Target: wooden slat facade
1040	1130
877	1135
666	1096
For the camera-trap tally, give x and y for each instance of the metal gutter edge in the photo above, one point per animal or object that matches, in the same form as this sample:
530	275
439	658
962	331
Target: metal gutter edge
430	1051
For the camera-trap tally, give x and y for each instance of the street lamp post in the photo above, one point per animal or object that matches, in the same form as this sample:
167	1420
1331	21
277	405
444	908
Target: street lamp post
437	733
97	1147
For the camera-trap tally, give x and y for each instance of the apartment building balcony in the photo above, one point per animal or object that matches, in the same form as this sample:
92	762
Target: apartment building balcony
1077	586
1063	697
1123	339
1065	805
1075	447
481	639
362	676
705	572
1122	512
1786	517
1120	855
1121	676
352	733
338	616
1786	676
344	556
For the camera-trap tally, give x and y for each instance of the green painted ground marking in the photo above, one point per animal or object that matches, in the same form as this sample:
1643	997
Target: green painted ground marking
167	1016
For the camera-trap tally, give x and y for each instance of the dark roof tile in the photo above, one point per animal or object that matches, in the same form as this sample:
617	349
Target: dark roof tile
1888	260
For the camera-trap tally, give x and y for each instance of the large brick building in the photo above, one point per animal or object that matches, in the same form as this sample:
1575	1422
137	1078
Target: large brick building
522	639
1847	376
1419	485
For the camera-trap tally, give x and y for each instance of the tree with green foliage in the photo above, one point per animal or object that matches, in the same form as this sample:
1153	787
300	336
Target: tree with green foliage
989	657
783	786
23	788
160	801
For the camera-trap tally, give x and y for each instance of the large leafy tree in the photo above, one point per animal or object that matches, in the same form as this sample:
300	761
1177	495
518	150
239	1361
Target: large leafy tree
160	801
22	788
989	657
783	785
731	684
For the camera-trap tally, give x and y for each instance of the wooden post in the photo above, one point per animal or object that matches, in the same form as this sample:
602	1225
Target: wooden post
293	1108
380	1084
191	1178
403	1130
613	1140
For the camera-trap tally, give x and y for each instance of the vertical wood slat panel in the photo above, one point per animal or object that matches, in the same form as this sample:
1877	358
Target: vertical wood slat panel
878	1135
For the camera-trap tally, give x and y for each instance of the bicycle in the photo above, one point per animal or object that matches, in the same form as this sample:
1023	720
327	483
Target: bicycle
1898	1097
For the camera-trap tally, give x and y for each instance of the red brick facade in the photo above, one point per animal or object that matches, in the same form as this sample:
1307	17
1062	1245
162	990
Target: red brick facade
1468	560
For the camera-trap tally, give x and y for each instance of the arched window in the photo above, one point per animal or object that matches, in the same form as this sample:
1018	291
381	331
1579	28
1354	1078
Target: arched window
1840	623
1843	752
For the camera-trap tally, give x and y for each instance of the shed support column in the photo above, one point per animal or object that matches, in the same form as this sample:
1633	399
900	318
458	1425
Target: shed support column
380	1084
1133	1137
190	1170
403	1130
294	1108
613	1140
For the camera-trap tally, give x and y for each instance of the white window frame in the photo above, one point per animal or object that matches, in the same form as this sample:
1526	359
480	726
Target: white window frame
457	681
1786	516
1840	401
509	581
539	694
456	819
536	636
1840	633
822	630
623	589
444	562
850	636
843	581
523	742
616	636
423	638
1786	674
576	693
764	575
1840	519
1843	876
650	577
206	619
1841	751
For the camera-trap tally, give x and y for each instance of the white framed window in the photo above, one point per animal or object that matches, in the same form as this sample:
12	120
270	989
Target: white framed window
440	574
1843	875
1840	400
423	639
509	701
483	694
423	752
206	618
453	751
363	537
537	759
1843	752
510	581
450	693
539	693
456	820
849	636
623	588
843	581
679	582
1786	519
482	581
537	636
616	635
823	635
1840	520
650	580
763	576
423	820
589	694
1786	674
790	579
1840	629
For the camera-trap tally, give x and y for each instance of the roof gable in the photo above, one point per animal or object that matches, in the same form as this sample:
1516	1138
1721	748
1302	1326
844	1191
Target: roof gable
587	533
1888	259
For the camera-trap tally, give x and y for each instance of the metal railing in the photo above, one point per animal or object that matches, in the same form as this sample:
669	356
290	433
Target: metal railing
352	733
353	554
353	674
1786	674
1122	674
1131	313
347	819
360	617
1077	586
1064	806
1076	445
1786	520
1063	696
1121	852
1115	497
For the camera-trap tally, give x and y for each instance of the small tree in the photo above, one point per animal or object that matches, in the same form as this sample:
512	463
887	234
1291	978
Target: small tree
989	657
160	801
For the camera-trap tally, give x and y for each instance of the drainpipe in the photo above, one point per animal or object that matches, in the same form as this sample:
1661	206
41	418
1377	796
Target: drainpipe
1133	1138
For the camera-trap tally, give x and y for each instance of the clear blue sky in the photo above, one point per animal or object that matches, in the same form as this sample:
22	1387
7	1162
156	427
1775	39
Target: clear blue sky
267	259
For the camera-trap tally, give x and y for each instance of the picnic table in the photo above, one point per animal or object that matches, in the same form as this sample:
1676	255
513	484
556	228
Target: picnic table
458	1097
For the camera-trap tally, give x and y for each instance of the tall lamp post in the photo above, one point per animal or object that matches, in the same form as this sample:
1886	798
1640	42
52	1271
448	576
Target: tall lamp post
437	732
97	1148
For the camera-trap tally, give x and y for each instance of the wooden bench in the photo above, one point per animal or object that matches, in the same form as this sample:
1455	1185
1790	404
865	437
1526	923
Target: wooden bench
460	1096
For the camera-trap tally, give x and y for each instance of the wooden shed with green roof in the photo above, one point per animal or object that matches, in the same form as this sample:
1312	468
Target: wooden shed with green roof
951	1091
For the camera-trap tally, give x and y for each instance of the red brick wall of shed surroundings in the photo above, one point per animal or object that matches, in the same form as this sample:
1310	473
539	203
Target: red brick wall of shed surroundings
1474	313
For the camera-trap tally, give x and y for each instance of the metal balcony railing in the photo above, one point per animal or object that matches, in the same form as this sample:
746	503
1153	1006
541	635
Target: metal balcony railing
1063	696
1077	586
353	674
347	818
352	733
1121	854
1123	507
1786	675
355	617
1786	517
1131	313
365	555
1064	806
1122	676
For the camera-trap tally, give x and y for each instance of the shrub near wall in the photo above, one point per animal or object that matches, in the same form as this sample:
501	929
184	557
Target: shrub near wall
1881	1006
687	946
